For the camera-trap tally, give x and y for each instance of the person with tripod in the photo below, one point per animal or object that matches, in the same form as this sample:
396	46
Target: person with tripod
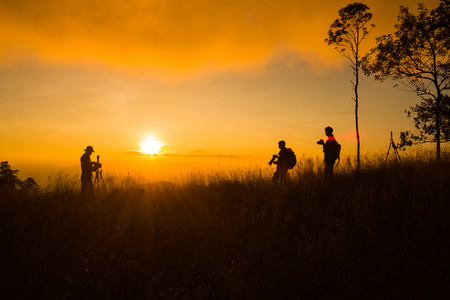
87	167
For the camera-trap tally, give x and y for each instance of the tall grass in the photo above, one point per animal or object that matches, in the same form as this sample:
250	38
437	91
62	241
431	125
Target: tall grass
380	234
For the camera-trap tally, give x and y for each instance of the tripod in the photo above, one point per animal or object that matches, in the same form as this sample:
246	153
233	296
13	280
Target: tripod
394	148
98	175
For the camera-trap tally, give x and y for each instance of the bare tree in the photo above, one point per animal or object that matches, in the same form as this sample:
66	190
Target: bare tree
347	34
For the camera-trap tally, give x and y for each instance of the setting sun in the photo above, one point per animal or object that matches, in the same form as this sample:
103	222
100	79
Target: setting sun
151	146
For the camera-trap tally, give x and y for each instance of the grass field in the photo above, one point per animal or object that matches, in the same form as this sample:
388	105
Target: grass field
383	233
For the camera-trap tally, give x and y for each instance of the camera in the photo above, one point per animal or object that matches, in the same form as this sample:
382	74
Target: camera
97	164
273	159
321	142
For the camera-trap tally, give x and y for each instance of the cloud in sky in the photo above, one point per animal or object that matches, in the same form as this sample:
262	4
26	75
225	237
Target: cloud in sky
171	34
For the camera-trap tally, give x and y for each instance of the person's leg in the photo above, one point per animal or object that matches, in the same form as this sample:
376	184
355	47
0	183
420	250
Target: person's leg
275	178
328	172
87	187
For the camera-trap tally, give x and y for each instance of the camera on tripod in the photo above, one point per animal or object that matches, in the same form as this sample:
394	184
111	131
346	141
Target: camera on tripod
96	164
98	171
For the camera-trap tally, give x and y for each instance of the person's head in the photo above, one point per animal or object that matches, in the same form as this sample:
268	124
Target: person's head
281	144
89	150
329	131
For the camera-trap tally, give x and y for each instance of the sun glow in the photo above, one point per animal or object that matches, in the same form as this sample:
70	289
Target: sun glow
151	146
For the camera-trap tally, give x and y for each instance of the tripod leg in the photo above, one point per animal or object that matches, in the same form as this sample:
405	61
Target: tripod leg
101	183
397	155
390	144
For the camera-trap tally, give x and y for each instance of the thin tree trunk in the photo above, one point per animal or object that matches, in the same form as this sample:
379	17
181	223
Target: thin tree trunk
356	107
438	128
357	128
438	110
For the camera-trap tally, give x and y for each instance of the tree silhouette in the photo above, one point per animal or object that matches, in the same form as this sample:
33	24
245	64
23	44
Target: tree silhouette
8	178
347	34
423	115
29	187
9	182
417	57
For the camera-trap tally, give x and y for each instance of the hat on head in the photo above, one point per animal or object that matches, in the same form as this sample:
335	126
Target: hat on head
89	148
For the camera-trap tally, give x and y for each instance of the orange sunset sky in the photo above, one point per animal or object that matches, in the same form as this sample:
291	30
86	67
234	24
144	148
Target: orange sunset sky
204	77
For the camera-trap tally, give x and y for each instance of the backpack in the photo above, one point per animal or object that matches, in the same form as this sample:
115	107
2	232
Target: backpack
338	151
334	150
291	159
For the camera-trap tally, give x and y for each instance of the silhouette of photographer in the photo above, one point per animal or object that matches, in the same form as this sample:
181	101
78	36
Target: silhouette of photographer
87	167
331	150
282	162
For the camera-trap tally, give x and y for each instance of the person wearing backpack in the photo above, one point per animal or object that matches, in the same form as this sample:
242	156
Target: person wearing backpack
285	160
331	150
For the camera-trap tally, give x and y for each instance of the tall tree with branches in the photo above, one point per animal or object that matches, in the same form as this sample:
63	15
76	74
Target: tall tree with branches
346	34
417	57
